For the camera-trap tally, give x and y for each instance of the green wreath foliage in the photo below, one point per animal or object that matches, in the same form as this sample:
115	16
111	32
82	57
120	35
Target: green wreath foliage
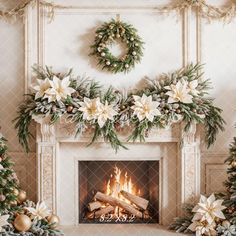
106	35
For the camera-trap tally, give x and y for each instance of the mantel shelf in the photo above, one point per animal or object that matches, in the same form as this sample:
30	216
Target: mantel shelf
66	132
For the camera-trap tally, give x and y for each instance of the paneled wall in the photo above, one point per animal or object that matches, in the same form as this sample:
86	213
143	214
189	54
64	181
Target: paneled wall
12	81
171	41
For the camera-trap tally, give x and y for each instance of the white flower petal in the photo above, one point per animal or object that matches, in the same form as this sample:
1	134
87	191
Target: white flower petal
219	214
144	107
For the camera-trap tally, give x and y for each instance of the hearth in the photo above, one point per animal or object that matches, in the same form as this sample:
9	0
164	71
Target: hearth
61	158
118	192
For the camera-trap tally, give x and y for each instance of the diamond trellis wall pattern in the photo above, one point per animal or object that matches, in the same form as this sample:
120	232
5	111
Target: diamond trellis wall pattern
217	51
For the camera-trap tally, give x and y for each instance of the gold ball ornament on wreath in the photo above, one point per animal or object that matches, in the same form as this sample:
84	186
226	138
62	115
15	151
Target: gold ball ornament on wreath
22	196
22	223
115	31
15	191
54	221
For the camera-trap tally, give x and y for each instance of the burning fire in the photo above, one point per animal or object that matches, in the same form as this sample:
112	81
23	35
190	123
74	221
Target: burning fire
121	200
120	182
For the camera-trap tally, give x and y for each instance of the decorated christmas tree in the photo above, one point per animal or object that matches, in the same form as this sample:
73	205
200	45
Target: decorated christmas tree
19	216
8	179
230	184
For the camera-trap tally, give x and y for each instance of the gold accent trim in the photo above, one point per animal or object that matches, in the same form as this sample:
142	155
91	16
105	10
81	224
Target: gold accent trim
210	12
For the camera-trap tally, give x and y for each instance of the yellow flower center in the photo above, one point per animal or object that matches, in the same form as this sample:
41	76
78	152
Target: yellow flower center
146	108
92	109
179	95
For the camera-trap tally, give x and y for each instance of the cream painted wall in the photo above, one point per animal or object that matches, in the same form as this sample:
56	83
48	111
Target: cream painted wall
217	51
11	93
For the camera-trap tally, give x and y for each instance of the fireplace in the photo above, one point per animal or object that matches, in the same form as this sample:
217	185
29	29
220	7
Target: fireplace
118	191
62	157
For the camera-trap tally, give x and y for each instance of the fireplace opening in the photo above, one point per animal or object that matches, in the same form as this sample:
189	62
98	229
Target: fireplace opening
118	191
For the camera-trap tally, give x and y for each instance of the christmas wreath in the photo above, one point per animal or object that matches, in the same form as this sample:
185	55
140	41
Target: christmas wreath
106	35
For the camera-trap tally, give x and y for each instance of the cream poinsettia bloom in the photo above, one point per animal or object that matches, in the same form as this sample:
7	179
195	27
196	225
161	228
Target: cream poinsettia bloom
209	208
179	92
41	88
41	211
90	108
60	89
192	86
203	228
144	107
105	112
3	221
1	167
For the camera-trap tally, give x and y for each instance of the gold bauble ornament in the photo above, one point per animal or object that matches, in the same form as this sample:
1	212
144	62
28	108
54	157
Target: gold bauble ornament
69	108
21	196
233	163
54	220
22	223
15	191
13	203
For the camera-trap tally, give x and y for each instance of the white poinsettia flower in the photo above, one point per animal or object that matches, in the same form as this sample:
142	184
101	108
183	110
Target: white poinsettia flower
106	112
210	208
41	211
3	221
203	228
1	167
90	108
60	89
179	92
144	107
192	86
41	88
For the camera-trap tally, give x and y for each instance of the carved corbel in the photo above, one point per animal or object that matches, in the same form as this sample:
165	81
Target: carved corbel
47	131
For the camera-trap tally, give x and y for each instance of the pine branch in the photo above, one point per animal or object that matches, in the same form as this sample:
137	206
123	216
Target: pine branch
181	224
23	121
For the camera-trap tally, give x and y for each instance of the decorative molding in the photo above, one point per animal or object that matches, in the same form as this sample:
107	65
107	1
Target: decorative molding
213	177
36	19
185	35
25	167
49	137
211	161
207	11
190	159
49	151
198	37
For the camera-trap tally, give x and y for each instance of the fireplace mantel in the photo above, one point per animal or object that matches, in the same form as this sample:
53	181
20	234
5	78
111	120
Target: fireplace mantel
49	138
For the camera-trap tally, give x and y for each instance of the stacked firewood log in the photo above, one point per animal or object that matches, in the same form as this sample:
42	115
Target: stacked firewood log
103	204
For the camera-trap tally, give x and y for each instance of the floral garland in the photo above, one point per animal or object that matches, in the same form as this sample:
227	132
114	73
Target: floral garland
210	12
175	97
106	35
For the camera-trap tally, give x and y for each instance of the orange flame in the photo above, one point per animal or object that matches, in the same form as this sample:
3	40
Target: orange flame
119	182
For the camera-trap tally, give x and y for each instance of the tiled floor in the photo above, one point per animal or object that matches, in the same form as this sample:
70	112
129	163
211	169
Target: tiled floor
117	230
